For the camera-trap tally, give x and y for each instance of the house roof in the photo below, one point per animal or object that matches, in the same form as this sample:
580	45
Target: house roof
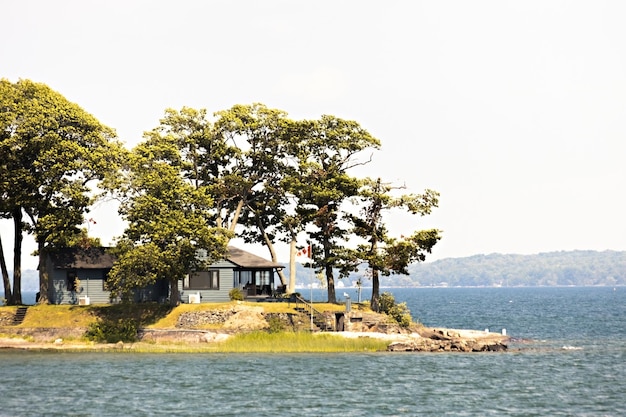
82	258
100	258
244	259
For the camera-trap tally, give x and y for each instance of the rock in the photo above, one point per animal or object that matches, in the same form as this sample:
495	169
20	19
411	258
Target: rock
210	337
401	347
191	319
247	320
449	341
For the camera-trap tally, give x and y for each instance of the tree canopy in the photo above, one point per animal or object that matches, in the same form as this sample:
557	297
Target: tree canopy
53	153
192	184
168	213
383	253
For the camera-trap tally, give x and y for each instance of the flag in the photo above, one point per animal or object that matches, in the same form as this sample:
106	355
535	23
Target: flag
306	252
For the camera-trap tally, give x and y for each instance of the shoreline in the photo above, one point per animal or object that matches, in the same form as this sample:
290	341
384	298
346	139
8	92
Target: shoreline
235	326
178	340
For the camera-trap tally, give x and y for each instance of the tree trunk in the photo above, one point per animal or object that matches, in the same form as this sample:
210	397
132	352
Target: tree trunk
8	294
375	301
292	267
330	281
43	275
270	247
17	256
236	215
174	294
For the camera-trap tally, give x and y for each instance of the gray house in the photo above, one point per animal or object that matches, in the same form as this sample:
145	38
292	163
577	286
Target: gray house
78	276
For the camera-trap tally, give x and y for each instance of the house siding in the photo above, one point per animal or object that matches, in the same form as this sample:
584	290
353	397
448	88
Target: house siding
92	264
91	281
213	296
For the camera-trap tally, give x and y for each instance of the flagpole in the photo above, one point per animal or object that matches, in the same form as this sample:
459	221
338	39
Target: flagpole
308	253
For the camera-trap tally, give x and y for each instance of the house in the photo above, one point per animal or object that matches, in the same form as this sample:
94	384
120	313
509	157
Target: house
78	276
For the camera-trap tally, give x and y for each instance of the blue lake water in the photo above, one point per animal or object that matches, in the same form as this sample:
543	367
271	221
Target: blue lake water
569	359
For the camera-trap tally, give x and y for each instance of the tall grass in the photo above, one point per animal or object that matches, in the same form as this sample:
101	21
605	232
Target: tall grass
290	342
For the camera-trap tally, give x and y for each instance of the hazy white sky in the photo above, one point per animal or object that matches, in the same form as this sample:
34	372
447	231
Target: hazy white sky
515	111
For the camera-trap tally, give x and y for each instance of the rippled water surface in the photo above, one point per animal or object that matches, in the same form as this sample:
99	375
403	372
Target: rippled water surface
569	360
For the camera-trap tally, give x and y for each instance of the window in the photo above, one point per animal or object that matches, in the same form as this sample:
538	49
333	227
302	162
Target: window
72	281
202	280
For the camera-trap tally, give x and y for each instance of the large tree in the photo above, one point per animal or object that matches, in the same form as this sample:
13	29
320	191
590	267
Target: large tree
382	253
168	212
256	197
8	97
330	147
54	154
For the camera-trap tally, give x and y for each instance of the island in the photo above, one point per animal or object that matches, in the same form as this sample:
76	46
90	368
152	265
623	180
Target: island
233	326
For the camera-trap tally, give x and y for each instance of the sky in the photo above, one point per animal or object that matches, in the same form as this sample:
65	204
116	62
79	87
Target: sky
514	111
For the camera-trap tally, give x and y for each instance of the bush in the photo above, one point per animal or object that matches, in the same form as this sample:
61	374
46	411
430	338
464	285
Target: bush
113	331
235	294
400	313
276	325
386	302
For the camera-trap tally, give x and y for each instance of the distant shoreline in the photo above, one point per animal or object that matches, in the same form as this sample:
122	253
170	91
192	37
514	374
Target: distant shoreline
28	297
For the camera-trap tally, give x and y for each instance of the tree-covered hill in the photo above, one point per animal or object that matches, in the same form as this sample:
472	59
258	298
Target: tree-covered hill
544	269
553	268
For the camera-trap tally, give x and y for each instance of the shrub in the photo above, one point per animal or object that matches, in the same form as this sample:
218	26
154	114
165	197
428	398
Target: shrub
400	313
276	325
112	331
386	302
235	294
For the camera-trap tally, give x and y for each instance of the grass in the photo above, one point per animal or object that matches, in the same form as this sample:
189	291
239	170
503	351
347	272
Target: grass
262	342
57	316
289	342
165	317
146	315
71	316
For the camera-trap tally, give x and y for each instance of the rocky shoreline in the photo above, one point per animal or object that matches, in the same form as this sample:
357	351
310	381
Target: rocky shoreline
190	330
426	340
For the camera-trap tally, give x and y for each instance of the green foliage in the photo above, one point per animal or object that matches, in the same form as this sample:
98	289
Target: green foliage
168	213
52	151
235	294
276	325
387	301
384	254
400	313
112	331
329	147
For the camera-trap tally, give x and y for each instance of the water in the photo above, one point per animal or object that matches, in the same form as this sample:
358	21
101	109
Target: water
568	360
